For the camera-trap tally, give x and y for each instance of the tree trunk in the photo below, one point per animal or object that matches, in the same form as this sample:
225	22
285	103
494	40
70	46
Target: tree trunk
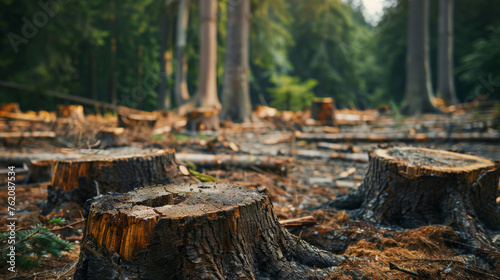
236	103
207	79
194	231
181	90
413	187
446	86
81	179
163	93
112	72
418	82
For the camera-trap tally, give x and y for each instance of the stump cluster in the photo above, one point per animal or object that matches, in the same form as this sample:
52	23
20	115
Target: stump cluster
193	231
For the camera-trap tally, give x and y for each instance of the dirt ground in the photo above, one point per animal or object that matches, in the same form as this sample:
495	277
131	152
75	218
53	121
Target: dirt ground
313	178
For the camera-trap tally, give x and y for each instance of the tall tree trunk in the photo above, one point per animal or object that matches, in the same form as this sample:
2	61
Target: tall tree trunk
163	96
235	94
207	77
418	82
92	74
446	87
181	90
112	77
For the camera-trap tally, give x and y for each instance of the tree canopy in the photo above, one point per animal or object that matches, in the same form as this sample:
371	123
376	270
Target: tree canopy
106	50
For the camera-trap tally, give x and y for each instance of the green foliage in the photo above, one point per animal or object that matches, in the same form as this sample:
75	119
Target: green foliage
202	177
31	245
157	137
181	137
290	93
483	63
57	221
325	40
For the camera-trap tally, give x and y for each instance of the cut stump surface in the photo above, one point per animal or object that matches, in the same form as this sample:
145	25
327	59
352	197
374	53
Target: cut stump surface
193	231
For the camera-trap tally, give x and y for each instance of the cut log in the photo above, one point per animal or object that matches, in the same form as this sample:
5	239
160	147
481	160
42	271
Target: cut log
242	161
359	157
401	136
323	110
203	119
28	118
10	108
112	137
299	222
81	179
264	112
74	112
134	120
194	231
412	187
347	116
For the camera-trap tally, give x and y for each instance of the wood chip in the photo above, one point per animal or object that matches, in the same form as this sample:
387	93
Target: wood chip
184	170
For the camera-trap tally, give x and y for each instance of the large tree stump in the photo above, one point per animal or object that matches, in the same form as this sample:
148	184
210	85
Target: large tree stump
81	179
412	187
194	231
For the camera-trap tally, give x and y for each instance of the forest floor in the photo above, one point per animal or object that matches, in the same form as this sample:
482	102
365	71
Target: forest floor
318	169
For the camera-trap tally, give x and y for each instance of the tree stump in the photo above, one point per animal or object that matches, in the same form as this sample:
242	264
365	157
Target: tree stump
112	137
74	112
323	110
81	179
40	170
412	187
203	118
193	231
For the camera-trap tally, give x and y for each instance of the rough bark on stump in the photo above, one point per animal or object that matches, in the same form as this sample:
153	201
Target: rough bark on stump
81	179
193	231
412	187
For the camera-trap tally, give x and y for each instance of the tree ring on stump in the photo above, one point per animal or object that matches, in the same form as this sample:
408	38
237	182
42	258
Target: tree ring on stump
193	231
414	162
80	179
412	187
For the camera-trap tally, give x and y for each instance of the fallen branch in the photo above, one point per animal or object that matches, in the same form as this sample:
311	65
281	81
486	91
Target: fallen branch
298	222
395	267
243	161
